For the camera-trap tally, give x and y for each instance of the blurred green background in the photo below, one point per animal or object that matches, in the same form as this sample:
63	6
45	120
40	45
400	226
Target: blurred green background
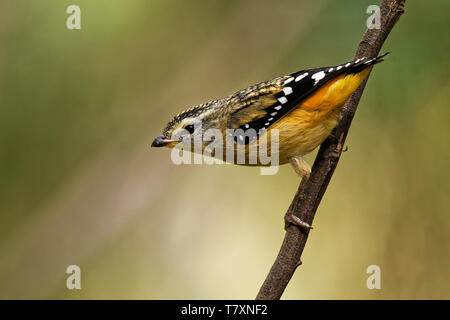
80	185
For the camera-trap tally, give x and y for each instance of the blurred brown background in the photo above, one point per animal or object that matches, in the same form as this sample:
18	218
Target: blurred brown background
80	185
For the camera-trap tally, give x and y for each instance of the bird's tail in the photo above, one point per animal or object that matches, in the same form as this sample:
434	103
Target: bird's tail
363	63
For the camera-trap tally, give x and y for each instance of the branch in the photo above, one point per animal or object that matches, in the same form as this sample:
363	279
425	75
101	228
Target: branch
311	191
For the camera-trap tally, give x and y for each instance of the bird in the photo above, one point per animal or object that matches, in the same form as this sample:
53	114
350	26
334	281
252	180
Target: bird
301	109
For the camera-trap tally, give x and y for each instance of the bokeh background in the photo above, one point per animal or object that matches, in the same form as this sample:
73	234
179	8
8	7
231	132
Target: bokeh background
80	185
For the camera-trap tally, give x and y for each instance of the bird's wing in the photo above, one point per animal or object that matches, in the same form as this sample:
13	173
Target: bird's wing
260	106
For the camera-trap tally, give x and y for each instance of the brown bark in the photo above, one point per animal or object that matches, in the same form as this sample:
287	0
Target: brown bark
310	192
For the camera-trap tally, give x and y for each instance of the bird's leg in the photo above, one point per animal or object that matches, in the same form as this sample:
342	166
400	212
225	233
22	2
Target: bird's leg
301	167
303	170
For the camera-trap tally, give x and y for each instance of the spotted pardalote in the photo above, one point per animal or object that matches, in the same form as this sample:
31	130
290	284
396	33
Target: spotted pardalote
302	108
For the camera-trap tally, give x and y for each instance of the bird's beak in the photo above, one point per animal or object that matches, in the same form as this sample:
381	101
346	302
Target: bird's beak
161	141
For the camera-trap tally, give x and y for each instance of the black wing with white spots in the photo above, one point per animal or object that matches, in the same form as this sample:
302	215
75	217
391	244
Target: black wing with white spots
297	87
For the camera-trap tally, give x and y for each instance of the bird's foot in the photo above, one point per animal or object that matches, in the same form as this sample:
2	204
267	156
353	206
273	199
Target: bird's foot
301	167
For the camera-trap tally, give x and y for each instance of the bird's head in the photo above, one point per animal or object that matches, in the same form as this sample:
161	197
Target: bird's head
189	124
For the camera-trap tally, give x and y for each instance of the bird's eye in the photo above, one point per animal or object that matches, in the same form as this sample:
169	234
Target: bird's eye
190	128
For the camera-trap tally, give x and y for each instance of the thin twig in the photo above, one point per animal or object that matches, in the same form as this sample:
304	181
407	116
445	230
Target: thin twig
310	192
